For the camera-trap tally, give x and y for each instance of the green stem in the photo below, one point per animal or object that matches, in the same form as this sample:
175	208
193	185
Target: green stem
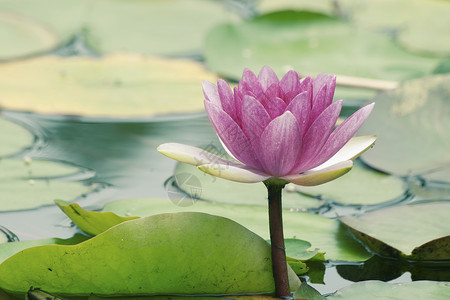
279	265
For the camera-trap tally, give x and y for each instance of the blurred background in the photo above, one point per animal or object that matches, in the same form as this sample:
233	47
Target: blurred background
90	88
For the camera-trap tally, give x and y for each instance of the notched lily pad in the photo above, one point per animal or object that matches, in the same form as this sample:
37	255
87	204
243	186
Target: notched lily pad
114	85
412	124
13	137
25	184
91	222
276	39
415	231
21	36
184	253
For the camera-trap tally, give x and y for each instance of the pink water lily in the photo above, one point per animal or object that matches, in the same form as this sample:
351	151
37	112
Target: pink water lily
275	128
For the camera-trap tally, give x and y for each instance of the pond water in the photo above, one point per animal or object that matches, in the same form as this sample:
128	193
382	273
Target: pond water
119	156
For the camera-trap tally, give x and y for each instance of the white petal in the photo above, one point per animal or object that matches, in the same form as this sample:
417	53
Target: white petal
234	172
354	148
190	155
310	178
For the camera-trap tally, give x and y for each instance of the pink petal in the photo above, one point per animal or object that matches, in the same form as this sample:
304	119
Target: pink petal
317	135
280	145
275	107
274	91
343	134
310	178
267	77
252	83
231	135
319	103
211	93
300	108
226	98
254	118
290	82
238	96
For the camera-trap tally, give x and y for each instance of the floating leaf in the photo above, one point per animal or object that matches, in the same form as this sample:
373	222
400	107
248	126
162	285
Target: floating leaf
414	28
415	231
185	253
115	85
309	43
361	185
412	124
298	249
402	291
153	27
20	36
323	233
13	137
9	249
200	185
91	222
53	15
19	190
31	169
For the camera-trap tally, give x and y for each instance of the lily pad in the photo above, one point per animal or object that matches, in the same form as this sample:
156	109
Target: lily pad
91	222
361	186
20	36
153	27
219	190
415	231
412	124
402	291
34	169
24	194
9	249
414	28
310	43
52	15
115	85
323	233
23	184
13	137
185	253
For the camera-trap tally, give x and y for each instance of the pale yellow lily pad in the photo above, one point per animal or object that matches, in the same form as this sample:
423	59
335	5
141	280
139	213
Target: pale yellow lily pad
116	85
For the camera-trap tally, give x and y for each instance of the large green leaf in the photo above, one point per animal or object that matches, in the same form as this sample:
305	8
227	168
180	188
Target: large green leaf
31	169
323	233
153	27
115	85
401	291
185	253
20	36
198	184
416	231
361	185
309	43
13	137
412	124
9	249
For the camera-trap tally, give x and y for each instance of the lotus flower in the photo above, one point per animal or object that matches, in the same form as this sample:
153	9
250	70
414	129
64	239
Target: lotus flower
280	129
